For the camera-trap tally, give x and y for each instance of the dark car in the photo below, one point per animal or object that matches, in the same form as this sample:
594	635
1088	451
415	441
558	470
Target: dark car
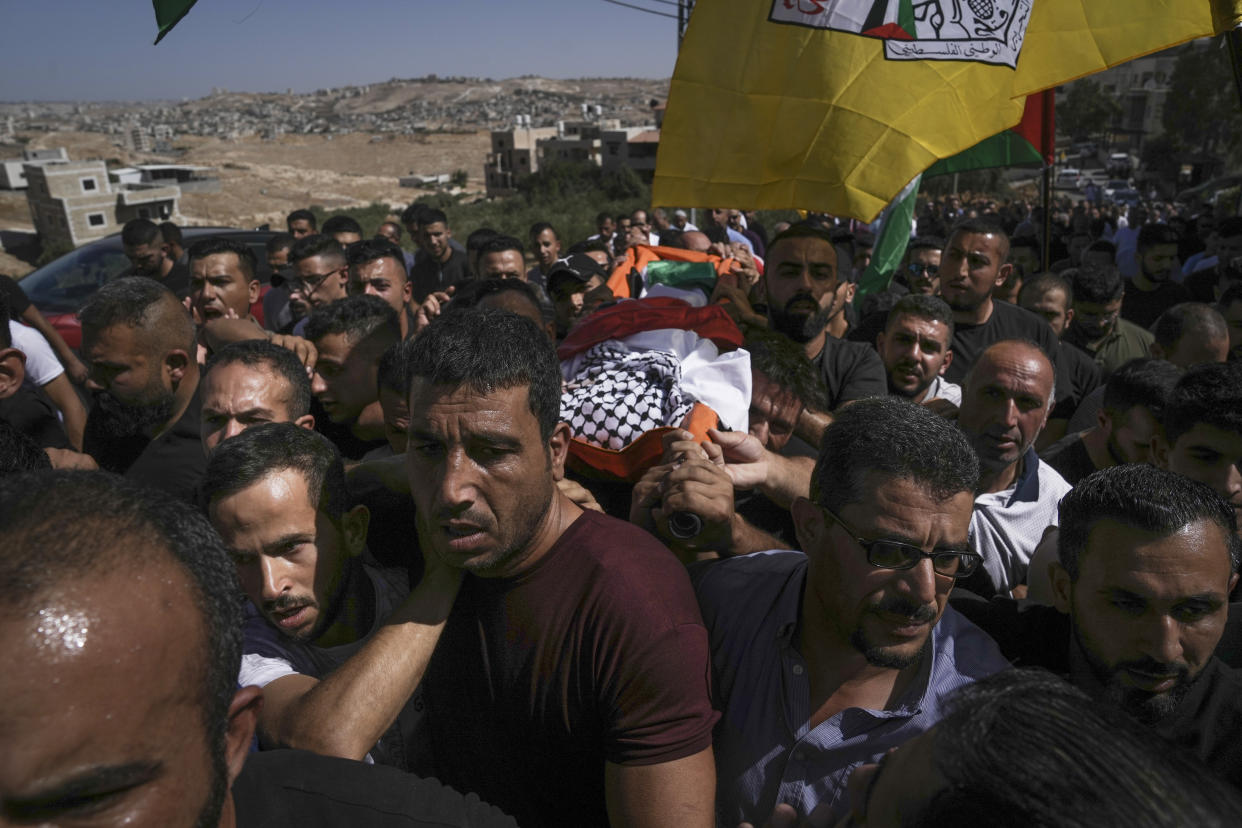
60	288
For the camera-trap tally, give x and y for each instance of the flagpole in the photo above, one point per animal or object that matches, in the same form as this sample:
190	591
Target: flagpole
1048	145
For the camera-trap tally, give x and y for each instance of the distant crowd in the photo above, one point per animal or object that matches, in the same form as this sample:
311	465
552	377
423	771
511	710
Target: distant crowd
677	524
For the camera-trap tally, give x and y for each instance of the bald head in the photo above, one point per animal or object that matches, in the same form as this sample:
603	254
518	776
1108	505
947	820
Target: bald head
1005	402
695	240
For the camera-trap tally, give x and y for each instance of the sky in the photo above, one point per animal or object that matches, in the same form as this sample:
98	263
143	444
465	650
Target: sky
61	50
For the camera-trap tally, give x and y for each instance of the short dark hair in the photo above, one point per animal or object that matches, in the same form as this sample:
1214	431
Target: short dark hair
784	362
371	250
1150	235
140	231
170	232
1045	283
1102	246
930	308
302	215
896	438
1209	394
216	245
317	245
1029	242
983	225
1232	294
410	214
280	361
1097	284
60	527
539	226
1143	381
1033	713
279	241
357	317
480	237
471	294
140	303
18	452
430	215
1124	494
390	372
499	244
490	350
924	243
1188	318
241	461
800	230
341	224
601	216
592	245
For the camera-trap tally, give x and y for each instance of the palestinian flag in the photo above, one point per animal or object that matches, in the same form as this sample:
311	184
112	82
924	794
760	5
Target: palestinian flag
1032	141
168	13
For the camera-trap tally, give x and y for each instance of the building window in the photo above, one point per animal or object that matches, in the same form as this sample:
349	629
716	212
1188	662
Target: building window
88	184
143	212
96	220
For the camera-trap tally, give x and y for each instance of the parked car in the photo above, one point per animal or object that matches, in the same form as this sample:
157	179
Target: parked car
1128	195
1115	184
1069	178
60	288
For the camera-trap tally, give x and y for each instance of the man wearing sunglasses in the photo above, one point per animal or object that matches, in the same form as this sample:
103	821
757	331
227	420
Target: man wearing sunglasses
826	660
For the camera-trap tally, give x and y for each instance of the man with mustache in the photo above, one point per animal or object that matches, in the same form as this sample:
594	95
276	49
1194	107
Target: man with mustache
915	349
330	636
139	345
1005	403
826	660
1141	589
222	279
806	302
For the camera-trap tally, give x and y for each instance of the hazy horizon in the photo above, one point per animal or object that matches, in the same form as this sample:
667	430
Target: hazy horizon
94	52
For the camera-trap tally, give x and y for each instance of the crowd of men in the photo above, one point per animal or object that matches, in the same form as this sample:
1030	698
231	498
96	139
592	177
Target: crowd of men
972	557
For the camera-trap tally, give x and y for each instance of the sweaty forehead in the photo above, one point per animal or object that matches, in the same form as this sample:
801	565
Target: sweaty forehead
990	244
237	381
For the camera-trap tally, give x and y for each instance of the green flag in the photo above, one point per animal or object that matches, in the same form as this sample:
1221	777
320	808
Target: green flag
891	246
168	13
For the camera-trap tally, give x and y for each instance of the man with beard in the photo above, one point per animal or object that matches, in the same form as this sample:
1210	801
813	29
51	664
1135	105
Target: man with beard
1005	404
972	266
915	349
1150	291
1129	418
1097	327
571	682
149	257
826	660
806	302
139	344
1141	590
329	635
118	667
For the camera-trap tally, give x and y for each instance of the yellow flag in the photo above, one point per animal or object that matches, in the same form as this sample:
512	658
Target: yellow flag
835	105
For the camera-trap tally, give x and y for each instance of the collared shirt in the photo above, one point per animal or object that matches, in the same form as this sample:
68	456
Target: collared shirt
766	753
1007	525
1126	342
942	389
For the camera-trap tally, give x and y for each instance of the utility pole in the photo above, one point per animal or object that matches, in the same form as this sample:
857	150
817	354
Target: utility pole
684	7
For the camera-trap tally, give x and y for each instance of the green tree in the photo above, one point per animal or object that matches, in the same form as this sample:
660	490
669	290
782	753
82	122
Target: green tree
459	178
1201	112
1087	110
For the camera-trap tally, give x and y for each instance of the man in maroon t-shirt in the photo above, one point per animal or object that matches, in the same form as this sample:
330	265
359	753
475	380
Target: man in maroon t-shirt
570	684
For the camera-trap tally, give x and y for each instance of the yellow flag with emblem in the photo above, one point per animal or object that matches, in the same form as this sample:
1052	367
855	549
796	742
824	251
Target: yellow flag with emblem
835	105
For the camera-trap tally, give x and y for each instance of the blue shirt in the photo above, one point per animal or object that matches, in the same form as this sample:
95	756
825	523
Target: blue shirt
765	753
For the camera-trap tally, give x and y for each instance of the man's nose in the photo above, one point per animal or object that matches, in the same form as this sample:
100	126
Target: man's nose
1160	638
457	481
920	580
274	573
318	386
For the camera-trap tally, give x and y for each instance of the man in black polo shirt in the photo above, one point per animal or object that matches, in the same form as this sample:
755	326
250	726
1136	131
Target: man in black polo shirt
139	344
441	265
1141	591
972	265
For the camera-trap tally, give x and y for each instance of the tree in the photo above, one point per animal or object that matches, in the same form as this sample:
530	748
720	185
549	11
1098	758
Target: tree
459	178
1201	112
1087	110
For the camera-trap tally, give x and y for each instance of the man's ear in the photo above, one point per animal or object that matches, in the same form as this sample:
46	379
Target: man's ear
253	291
306	421
1160	451
1069	317
12	371
558	449
407	292
1061	587
243	719
1002	273
354	525
948	360
177	363
809	524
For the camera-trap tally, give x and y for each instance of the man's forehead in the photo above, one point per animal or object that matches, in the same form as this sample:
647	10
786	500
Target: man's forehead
802	248
224	382
464	398
909	323
1127	556
970	242
1215	438
218	263
384	267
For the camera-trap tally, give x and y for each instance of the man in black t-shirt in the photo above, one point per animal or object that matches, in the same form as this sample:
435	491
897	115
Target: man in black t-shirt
1126	630
972	265
1151	291
440	264
148	256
